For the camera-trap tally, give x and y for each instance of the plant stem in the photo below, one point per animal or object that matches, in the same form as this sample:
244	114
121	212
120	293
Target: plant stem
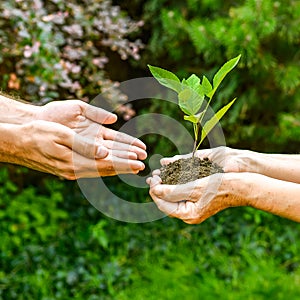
208	102
196	147
196	132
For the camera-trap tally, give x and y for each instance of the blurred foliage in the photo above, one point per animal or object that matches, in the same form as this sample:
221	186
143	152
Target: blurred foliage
55	245
60	49
195	36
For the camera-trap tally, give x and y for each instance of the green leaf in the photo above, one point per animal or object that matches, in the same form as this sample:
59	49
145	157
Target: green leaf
224	70
206	85
166	78
193	81
210	124
194	118
184	84
199	91
189	101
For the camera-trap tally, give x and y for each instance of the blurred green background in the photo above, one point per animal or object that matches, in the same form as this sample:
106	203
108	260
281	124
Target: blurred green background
54	244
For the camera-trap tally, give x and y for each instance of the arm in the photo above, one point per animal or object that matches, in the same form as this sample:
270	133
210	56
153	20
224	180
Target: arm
278	197
10	146
15	112
279	166
196	201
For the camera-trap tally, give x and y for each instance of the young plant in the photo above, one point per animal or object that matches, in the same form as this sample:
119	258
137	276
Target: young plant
192	94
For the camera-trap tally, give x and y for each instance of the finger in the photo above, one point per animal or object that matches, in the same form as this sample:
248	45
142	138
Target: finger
101	152
184	210
117	165
155	180
121	137
88	148
203	153
98	115
124	154
175	193
168	208
152	181
118	146
109	166
156	172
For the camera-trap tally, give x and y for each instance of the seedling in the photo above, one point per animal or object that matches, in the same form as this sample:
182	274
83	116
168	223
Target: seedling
192	93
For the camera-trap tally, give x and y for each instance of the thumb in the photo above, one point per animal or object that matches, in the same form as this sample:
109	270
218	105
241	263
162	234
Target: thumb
88	147
99	115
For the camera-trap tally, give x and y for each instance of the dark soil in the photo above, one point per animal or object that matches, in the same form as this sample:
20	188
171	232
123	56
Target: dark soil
188	169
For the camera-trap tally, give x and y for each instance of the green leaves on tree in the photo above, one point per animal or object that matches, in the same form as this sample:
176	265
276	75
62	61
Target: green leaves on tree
191	95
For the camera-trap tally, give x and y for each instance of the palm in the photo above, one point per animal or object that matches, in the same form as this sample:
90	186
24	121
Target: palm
87	120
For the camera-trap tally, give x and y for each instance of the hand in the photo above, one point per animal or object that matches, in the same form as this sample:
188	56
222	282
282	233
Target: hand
86	120
231	160
196	201
53	148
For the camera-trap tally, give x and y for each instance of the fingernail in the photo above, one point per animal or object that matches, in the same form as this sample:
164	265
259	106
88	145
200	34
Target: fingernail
142	166
102	152
114	117
132	155
143	155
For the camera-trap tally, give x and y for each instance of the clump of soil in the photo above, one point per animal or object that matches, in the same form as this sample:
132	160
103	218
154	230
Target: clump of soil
188	169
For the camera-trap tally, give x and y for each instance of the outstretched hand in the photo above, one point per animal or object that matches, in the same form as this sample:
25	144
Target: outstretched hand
54	148
87	121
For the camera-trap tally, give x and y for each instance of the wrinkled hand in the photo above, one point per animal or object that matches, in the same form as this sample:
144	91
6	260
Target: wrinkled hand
86	120
198	200
231	160
54	148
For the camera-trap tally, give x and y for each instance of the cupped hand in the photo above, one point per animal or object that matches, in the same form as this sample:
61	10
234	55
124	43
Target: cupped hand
86	120
231	160
198	200
54	148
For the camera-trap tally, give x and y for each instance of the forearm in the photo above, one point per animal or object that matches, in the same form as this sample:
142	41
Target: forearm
272	195
10	143
15	112
280	166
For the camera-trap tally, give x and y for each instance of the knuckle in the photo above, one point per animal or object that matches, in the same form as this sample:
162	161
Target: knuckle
158	192
62	135
87	150
194	194
108	168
